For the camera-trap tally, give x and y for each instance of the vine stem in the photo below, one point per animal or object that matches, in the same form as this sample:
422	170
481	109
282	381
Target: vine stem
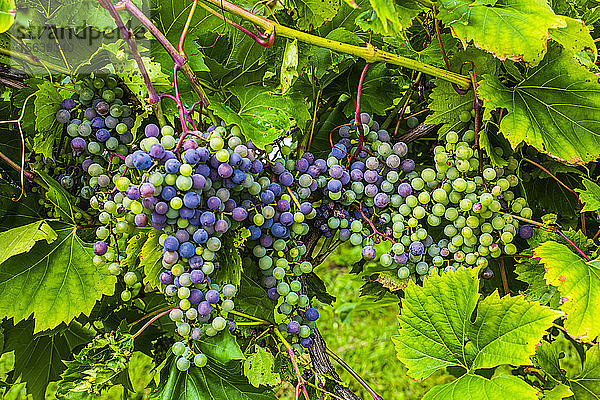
178	59
503	275
34	60
147	324
354	374
128	37
241	314
477	107
375	231
369	53
185	29
290	352
357	121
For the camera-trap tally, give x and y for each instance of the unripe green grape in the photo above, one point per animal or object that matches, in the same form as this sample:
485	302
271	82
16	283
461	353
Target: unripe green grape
200	360
126	295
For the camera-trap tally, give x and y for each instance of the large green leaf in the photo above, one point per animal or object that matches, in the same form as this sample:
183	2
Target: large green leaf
590	197
252	297
212	382
586	384
47	103
532	272
38	358
7	14
53	281
515	29
475	387
437	329
578	282
556	108
22	238
263	116
389	17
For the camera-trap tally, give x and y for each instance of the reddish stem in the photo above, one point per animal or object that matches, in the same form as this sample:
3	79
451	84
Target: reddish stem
357	122
370	222
147	324
439	38
129	38
28	175
561	234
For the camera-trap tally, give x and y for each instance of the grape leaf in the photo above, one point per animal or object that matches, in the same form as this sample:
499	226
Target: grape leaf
584	383
15	213
590	197
446	103
325	60
22	238
230	261
7	14
532	272
151	259
475	387
389	17
263	116
514	29
555	109
258	368
577	281
133	250
252	298
211	382
222	348
289	65
62	200
38	358
559	392
437	330
313	13
57	280
47	103
431	55
575	37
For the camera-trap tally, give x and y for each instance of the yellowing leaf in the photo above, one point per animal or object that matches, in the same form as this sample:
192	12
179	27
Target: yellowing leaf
258	368
579	283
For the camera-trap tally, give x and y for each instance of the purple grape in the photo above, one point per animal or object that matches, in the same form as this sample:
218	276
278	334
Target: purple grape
381	200
196	262
408	165
225	170
306	208
272	294
97	122
161	207
151	130
267	197
168	193
182	235
147	190
197	276
235	159
336	171
310	157
369	253
140	220
416	248
68	104
371	190
221	226
141	160
200	236
239	214
78	145
286	178
157	151
207	218
198	182
334	186
293	328
102	108
306	342
100	248
172	166
187	250
275	188
370	176
212	296
525	231
301	165
213	203
166	278
191	156
404	189
401	258
195	296
204	308
191	200
171	243
190	144
311	314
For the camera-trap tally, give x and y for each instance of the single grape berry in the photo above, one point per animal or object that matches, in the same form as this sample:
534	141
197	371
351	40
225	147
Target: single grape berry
525	231
487	273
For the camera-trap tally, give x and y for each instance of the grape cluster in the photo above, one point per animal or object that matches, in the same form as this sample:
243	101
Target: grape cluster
98	125
198	189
